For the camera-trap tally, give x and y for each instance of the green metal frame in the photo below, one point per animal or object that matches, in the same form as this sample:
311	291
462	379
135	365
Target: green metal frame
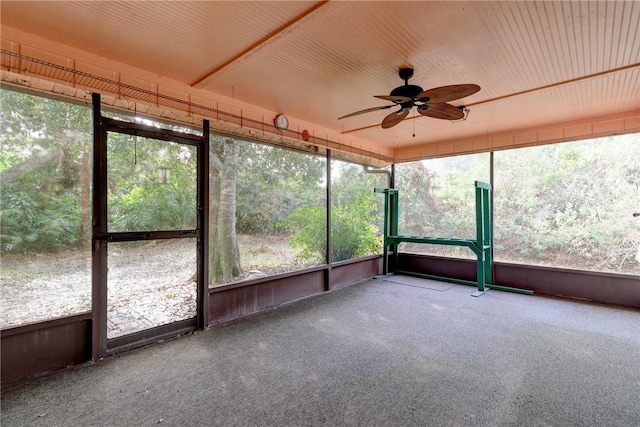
481	246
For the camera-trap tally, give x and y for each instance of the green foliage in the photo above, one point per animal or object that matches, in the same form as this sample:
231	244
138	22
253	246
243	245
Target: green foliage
136	200
437	197
43	145
355	215
272	183
569	205
308	226
352	235
27	230
566	205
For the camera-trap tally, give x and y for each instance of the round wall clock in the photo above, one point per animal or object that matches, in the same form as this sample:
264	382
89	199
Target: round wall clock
281	122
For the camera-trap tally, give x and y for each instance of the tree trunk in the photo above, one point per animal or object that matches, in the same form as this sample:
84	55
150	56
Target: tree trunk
224	259
39	157
85	200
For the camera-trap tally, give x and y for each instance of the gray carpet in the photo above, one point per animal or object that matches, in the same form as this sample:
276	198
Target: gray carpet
375	354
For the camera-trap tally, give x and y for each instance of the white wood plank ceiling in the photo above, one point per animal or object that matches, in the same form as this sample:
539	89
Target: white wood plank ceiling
537	63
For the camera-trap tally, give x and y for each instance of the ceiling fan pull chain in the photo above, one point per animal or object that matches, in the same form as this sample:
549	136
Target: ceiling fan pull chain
414	126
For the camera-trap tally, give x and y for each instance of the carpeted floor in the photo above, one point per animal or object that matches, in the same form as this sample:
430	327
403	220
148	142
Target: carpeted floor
393	352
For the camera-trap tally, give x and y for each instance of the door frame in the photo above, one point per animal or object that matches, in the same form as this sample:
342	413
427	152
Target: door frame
102	347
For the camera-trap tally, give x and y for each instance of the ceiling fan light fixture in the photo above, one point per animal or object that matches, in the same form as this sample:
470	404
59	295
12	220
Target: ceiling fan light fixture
465	110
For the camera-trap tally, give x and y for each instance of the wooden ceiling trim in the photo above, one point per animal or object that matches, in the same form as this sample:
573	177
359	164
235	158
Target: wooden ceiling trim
260	44
557	84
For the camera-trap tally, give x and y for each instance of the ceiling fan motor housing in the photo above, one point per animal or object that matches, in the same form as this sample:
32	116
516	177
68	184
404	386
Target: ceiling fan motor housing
410	91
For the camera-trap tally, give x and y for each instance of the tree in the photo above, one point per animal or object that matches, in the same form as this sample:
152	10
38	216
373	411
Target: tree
224	257
272	183
253	188
45	146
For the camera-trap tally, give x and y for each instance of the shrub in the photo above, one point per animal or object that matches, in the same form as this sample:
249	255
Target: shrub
351	234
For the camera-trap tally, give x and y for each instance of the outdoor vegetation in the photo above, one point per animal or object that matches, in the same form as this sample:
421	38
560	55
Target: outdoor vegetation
570	205
437	199
267	211
567	205
356	217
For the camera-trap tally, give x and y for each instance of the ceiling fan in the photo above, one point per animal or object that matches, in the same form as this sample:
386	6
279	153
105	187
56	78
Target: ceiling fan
431	103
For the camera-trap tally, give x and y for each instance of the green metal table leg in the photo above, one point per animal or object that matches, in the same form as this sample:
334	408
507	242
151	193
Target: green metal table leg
488	236
481	276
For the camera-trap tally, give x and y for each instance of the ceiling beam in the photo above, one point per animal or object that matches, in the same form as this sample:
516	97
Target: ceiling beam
262	43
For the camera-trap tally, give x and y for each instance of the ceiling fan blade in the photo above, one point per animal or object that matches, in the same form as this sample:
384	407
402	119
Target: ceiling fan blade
368	110
441	111
395	99
447	93
395	118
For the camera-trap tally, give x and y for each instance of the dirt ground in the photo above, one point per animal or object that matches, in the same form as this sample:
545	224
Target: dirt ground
147	285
